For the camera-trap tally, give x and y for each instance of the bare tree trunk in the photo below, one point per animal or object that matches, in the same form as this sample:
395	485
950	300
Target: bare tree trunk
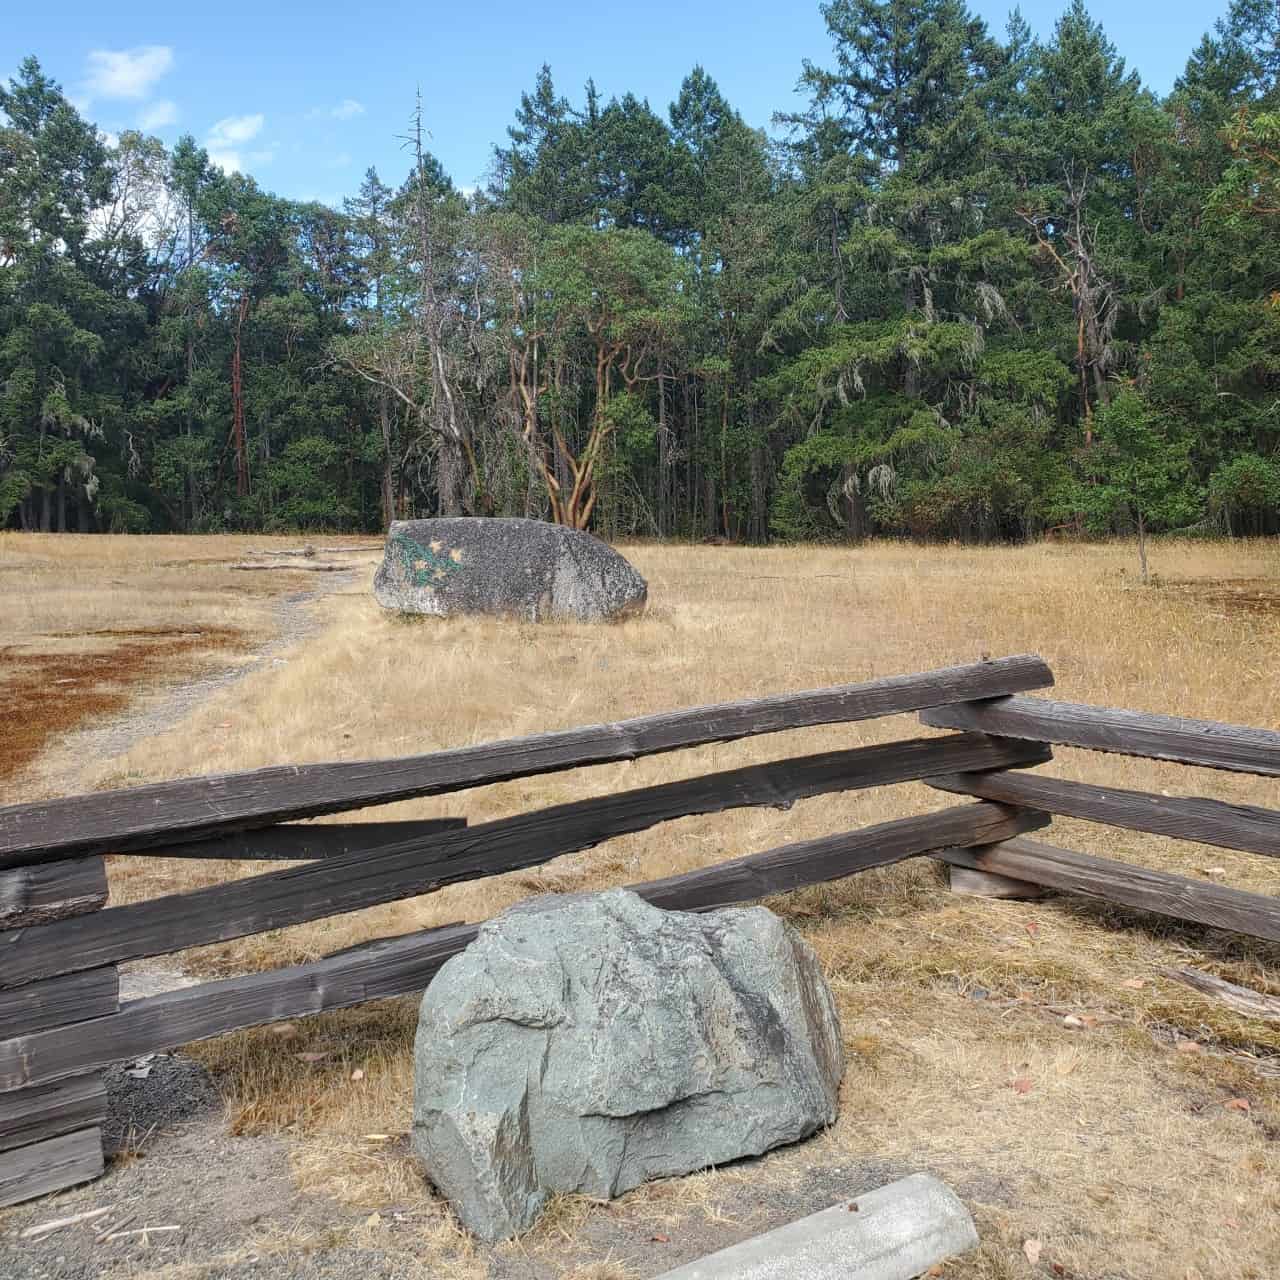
450	467
189	494
664	460
910	374
62	503
388	474
759	484
724	458
237	403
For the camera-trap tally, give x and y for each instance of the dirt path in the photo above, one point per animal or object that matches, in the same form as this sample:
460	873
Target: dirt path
62	769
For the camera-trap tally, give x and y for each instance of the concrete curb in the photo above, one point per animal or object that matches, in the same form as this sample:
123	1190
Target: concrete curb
896	1232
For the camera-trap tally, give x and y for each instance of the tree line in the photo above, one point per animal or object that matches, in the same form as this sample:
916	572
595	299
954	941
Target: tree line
979	287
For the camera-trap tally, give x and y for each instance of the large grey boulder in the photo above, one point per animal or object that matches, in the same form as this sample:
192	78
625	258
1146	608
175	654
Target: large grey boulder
510	568
589	1042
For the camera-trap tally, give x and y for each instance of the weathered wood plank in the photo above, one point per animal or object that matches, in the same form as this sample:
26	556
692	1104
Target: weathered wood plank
1230	826
299	842
832	857
1206	743
32	1115
365	878
969	882
199	808
1160	892
54	1002
394	966
37	895
27	1172
1253	1004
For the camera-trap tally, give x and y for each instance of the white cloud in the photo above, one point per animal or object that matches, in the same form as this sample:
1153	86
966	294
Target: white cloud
127	73
228	136
233	131
158	114
347	109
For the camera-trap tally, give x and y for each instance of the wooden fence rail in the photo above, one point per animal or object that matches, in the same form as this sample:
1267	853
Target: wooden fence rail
1202	743
1131	733
168	813
1229	826
61	1022
1161	892
394	966
60	1017
369	877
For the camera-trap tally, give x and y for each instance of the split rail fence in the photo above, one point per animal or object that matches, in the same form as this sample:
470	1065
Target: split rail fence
62	1021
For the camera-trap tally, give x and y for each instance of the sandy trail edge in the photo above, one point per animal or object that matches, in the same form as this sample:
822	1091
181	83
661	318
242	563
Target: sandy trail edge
68	766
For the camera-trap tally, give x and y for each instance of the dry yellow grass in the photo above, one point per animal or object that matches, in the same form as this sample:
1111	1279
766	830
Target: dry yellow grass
1107	1144
89	623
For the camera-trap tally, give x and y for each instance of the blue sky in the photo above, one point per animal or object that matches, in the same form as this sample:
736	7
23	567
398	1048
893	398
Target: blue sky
306	96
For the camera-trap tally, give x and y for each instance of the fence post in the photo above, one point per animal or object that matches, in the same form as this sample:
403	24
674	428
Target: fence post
51	1135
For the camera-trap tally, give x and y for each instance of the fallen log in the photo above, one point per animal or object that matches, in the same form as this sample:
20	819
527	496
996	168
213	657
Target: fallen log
1254	1004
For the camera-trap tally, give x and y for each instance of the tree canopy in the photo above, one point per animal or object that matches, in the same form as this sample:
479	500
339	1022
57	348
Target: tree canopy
979	286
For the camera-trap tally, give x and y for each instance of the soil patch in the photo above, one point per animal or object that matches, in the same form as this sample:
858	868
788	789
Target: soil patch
44	694
150	1096
1260	596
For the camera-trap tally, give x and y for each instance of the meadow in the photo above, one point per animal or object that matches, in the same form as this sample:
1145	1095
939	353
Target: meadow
1114	1143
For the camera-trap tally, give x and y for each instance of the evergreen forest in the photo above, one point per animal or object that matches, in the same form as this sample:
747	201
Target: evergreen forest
982	286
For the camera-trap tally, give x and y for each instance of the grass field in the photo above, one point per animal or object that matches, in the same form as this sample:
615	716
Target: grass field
1112	1145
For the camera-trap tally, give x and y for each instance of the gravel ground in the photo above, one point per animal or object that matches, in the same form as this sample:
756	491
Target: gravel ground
241	1217
156	1094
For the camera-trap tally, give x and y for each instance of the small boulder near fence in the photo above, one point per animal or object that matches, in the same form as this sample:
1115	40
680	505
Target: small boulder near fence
509	568
588	1042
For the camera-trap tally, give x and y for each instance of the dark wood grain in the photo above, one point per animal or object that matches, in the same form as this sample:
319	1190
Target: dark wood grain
73	997
1132	733
1230	826
303	842
1158	891
37	895
833	857
200	808
394	966
31	1115
35	1170
365	878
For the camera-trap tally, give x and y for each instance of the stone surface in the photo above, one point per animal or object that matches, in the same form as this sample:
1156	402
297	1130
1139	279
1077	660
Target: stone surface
586	1043
510	568
896	1232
